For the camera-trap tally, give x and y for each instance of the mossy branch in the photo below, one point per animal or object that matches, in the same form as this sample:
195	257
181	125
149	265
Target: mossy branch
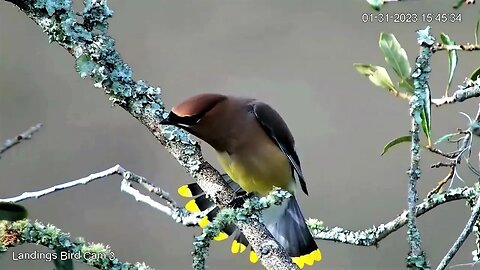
96	255
469	90
419	101
372	236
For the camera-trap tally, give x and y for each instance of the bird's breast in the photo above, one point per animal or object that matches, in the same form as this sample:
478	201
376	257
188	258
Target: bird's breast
258	169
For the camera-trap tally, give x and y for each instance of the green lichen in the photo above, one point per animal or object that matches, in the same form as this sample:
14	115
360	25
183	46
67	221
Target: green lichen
424	37
315	225
420	112
85	66
52	6
96	255
96	14
74	31
417	262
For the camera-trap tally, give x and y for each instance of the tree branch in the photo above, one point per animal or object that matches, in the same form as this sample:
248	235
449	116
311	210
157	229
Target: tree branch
26	135
251	210
97	58
96	255
470	90
419	105
367	237
372	236
462	237
178	214
456	47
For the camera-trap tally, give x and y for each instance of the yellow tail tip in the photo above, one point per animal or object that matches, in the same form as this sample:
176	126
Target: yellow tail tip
203	222
317	255
237	247
192	206
253	257
299	262
308	259
184	191
221	236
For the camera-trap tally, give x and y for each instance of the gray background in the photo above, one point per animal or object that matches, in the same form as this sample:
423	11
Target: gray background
295	55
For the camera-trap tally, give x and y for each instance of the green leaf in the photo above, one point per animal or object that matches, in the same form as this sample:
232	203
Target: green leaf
445	138
375	4
12	212
426	125
62	263
397	58
452	59
459	4
396	141
407	84
475	74
377	75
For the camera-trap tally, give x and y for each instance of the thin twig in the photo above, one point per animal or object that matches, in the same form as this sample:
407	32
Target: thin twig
178	214
26	135
442	182
455	158
462	237
439	152
151	188
456	47
470	90
117	169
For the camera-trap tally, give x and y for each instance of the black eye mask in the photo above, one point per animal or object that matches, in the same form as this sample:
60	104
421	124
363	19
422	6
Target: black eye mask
184	120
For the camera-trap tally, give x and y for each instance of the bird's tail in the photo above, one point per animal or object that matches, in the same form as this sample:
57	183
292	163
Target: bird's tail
285	222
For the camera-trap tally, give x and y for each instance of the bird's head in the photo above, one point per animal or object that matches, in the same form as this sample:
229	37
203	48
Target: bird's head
195	114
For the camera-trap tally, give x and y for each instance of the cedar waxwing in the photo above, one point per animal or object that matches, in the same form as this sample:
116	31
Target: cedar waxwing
257	151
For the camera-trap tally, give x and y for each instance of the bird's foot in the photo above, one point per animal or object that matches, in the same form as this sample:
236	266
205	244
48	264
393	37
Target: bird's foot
240	200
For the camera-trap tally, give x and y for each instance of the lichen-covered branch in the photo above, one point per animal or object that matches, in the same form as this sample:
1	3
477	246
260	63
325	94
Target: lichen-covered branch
26	135
367	237
470	90
251	211
97	58
96	255
456	47
476	252
462	237
419	102
372	236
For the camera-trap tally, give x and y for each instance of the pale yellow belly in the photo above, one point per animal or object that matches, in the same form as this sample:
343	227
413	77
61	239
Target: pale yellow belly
259	173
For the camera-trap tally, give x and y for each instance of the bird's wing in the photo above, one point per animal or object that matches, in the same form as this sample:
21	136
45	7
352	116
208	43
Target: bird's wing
276	128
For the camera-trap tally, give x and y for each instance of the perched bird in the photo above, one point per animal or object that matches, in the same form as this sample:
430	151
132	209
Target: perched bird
257	151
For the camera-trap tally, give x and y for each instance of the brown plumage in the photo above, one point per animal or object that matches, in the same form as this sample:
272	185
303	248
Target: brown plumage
257	151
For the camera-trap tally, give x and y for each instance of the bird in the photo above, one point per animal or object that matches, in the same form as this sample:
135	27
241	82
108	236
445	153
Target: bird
256	149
